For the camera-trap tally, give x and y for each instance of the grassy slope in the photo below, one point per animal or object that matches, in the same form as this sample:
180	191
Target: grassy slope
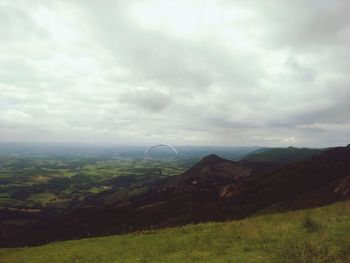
317	235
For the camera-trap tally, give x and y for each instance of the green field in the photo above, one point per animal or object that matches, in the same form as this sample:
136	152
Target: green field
316	235
38	182
42	198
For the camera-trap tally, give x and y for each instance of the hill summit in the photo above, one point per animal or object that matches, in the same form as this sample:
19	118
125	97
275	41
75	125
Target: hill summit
217	168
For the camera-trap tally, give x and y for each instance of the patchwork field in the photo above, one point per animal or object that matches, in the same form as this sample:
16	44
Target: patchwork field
38	182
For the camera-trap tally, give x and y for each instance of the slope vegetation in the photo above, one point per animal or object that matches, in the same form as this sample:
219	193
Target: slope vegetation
315	235
281	155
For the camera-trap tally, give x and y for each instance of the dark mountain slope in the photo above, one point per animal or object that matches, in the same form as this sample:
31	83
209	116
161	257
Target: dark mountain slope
213	189
281	155
318	181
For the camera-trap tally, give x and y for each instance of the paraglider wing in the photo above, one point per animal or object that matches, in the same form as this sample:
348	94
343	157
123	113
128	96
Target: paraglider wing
160	145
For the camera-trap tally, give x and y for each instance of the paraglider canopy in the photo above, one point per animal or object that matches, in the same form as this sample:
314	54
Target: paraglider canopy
160	145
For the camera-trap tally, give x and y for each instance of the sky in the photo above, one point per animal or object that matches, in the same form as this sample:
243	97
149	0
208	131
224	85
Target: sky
186	72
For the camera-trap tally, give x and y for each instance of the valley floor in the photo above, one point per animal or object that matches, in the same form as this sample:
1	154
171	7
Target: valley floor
314	235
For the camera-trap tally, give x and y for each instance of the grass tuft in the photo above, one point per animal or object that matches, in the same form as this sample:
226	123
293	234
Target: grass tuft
311	250
311	225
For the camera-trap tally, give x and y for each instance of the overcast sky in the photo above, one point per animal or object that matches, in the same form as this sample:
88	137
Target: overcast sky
274	73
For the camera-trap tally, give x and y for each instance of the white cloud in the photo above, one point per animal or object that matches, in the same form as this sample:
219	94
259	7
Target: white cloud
198	72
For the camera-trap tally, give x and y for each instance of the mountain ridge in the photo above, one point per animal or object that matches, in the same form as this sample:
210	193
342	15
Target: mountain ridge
214	189
281	155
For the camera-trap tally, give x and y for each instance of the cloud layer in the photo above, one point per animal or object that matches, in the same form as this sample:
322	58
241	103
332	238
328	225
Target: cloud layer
181	72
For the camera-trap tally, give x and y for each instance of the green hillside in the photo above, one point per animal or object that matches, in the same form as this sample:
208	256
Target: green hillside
281	155
316	235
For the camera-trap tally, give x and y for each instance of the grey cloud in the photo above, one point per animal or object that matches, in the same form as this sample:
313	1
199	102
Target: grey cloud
146	99
254	72
169	61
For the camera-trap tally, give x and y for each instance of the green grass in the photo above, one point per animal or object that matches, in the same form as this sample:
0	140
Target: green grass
316	235
42	198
